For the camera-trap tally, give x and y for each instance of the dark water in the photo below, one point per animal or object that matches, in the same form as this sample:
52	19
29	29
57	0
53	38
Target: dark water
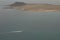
21	25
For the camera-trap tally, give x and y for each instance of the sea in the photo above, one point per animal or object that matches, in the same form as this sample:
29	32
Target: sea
27	25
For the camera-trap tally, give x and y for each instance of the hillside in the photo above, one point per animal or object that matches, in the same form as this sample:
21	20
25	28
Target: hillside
36	7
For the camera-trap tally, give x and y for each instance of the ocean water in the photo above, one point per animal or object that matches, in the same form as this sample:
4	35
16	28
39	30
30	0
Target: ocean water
25	25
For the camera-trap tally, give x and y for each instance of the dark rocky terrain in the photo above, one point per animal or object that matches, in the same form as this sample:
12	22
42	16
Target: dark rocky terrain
18	4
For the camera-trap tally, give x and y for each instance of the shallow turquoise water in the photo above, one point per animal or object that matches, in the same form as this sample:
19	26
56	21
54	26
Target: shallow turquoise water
22	25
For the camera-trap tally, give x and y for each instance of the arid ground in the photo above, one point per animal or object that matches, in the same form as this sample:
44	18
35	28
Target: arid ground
36	7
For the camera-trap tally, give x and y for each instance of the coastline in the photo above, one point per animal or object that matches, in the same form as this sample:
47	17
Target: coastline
37	7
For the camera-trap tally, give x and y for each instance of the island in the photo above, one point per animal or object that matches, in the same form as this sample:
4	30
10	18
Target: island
37	7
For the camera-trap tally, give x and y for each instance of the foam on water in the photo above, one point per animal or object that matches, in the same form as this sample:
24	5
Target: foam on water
15	31
11	32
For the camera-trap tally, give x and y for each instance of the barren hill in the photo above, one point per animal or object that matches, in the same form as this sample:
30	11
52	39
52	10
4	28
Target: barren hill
36	7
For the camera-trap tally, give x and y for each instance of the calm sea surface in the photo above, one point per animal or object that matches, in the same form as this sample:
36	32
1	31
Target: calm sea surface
22	25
